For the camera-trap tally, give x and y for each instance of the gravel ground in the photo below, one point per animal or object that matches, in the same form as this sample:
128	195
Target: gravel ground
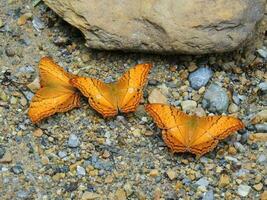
80	155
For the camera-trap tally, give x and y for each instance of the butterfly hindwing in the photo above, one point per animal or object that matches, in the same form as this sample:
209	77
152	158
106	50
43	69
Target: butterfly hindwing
211	129
130	87
99	95
48	101
56	93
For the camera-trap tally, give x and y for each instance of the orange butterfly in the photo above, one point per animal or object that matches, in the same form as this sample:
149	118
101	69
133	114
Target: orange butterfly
56	93
109	98
186	133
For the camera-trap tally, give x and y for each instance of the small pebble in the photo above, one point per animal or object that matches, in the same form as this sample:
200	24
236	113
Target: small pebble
157	97
13	100
263	53
261	127
258	186
80	171
120	194
73	141
215	99
62	154
209	195
171	174
233	108
7	158
17	169
188	105
200	77
10	51
154	173
38	24
224	180
2	152
262	159
203	182
243	190
263	86
90	196
38	133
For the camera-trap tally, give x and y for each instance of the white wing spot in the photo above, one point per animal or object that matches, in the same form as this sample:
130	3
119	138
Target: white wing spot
98	96
130	90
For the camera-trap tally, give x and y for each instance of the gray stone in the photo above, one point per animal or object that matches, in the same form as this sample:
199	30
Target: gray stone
203	182
243	190
263	86
261	127
239	147
200	77
263	53
2	151
17	169
175	26
80	171
262	159
38	24
232	159
73	141
215	99
22	194
209	195
62	154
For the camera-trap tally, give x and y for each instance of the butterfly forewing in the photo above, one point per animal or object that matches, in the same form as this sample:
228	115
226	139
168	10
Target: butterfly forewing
130	86
52	74
99	95
172	121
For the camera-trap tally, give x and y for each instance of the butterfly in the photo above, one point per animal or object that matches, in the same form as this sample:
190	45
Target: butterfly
56	93
123	95
190	133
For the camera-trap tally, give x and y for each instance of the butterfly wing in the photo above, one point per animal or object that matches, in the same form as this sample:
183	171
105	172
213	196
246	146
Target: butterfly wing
53	75
48	101
130	87
56	93
99	95
210	130
172	121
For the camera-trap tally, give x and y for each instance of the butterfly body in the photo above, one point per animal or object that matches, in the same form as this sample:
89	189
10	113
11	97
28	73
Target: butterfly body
123	95
56	94
190	133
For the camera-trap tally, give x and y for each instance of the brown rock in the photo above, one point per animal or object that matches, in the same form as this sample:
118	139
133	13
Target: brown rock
258	186
157	97
38	133
264	195
224	180
7	158
180	26
120	194
258	137
90	196
260	117
154	173
232	150
171	174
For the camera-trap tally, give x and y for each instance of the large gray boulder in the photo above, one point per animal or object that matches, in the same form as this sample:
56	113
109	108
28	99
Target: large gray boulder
164	26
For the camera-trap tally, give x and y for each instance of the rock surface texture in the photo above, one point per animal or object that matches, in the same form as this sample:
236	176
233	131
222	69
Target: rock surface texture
174	26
